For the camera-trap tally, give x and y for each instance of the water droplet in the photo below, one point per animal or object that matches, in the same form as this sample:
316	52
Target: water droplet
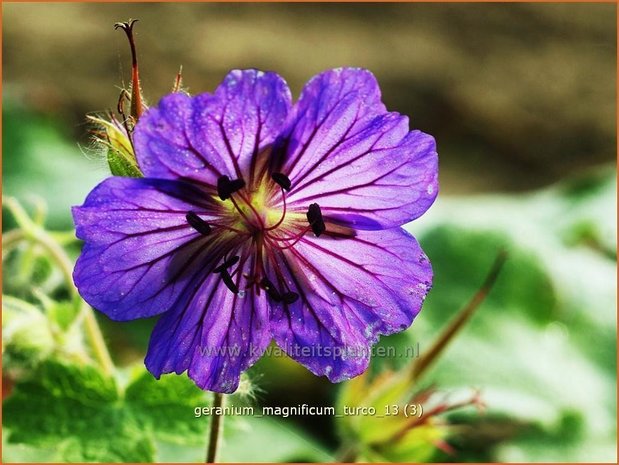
241	294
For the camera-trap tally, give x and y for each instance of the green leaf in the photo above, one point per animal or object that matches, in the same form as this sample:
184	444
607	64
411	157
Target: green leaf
463	257
166	407
77	411
86	416
21	453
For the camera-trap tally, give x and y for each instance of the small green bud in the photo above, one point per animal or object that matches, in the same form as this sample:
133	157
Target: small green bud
115	139
417	445
390	421
26	334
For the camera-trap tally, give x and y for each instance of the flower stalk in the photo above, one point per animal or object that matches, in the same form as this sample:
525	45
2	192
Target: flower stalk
216	428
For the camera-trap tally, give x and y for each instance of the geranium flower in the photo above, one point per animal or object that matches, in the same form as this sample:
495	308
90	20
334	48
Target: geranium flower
259	220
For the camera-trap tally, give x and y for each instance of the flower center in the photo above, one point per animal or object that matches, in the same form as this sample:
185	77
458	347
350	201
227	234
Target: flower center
258	213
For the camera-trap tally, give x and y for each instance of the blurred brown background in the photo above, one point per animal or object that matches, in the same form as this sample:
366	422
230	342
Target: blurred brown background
517	95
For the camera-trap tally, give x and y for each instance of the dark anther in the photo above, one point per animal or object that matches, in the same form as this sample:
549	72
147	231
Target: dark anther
226	264
198	223
270	288
225	275
227	279
290	297
226	187
314	216
282	180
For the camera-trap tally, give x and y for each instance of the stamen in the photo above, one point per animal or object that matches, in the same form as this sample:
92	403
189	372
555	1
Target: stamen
282	180
198	223
228	228
227	279
227	264
314	216
290	297
270	288
296	239
225	274
226	187
287	297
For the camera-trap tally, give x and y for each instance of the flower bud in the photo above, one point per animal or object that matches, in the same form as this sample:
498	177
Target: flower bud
391	423
26	334
114	137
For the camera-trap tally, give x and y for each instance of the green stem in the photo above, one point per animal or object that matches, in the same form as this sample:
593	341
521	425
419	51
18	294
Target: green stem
95	338
93	332
216	428
10	239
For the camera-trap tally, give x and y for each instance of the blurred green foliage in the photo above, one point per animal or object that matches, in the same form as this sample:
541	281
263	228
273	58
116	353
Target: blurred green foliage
86	417
543	348
39	160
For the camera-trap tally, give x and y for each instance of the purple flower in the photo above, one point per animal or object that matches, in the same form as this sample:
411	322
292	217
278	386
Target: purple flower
259	220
